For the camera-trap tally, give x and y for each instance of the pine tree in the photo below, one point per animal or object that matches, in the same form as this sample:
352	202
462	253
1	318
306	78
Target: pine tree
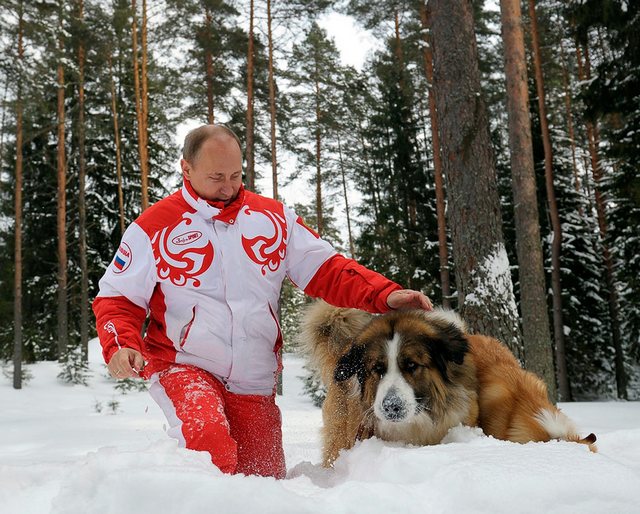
610	28
315	79
535	321
387	126
443	250
215	49
483	277
62	310
17	289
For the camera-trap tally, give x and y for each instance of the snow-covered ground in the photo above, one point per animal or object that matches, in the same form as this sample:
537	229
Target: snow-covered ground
64	450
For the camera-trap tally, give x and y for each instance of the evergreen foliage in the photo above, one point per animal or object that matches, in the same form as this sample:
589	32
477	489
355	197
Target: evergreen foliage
369	125
611	30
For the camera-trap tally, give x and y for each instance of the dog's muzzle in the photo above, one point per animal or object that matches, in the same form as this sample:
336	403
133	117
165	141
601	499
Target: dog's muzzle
393	407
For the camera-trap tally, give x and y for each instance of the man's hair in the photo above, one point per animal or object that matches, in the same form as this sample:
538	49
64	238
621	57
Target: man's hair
196	137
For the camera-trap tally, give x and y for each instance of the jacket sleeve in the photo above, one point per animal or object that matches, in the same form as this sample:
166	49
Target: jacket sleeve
345	283
315	267
125	290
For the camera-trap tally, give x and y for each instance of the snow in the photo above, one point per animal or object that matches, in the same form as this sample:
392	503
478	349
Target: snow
492	279
59	455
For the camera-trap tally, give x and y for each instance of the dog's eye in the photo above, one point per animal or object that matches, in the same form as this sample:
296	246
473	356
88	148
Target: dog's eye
379	368
410	366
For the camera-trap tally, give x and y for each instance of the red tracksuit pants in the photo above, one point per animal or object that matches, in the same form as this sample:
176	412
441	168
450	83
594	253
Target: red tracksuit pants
242	433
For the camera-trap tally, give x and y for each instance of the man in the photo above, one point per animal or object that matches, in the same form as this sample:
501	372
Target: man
207	264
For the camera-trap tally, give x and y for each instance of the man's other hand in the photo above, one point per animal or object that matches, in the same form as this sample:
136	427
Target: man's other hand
409	299
126	363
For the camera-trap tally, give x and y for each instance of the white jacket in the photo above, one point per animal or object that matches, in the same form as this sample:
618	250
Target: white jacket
210	278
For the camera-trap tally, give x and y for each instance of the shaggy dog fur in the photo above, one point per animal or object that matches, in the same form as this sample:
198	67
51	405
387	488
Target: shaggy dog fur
410	376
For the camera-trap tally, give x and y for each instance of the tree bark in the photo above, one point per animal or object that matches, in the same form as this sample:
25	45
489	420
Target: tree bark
116	138
443	251
62	206
483	278
533	298
272	106
584	71
82	204
17	256
249	149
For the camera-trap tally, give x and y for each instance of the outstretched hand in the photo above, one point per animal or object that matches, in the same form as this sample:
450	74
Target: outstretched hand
126	363
409	299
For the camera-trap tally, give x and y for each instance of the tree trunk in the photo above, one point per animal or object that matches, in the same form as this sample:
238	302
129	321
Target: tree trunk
398	50
144	108
208	58
82	204
2	123
483	278
409	203
569	111
533	298
139	109
556	244
437	161
17	284
319	217
369	174
249	150
272	106
116	138
614	309
346	200
62	208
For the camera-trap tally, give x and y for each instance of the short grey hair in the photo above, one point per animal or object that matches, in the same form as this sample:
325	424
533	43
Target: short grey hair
196	137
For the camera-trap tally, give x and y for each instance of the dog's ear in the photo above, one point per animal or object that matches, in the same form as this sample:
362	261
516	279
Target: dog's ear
456	345
351	363
450	347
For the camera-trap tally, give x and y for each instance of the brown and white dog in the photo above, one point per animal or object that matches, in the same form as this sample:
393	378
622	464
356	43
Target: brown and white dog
410	376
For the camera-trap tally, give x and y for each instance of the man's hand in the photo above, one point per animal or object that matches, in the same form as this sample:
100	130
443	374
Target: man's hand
409	299
126	363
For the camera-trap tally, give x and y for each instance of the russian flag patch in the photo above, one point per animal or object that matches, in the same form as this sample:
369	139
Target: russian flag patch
123	258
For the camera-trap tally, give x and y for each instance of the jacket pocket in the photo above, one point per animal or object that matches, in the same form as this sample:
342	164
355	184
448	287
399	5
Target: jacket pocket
184	333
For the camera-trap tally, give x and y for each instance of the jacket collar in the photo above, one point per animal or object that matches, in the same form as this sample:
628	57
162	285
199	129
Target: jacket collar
213	210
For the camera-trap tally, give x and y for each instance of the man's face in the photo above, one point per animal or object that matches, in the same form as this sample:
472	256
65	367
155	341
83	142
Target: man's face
216	172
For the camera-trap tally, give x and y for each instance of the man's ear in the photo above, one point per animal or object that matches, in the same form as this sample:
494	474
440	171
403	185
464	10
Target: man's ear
351	363
186	168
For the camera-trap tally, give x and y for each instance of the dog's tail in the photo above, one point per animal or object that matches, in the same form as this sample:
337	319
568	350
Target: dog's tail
559	426
327	332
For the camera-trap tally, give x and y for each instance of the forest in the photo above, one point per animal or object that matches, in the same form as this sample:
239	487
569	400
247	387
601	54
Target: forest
485	153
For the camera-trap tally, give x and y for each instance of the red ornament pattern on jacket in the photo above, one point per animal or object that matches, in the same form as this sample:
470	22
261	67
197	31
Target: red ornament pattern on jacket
179	265
267	250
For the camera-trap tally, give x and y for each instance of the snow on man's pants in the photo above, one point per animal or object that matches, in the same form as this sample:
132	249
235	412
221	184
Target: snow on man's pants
242	433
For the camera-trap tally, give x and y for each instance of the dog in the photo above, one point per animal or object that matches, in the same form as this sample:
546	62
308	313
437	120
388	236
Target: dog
410	376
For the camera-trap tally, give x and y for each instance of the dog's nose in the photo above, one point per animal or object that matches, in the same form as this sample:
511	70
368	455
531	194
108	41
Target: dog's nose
393	407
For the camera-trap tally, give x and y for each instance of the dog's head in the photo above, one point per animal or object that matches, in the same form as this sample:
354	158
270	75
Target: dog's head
408	364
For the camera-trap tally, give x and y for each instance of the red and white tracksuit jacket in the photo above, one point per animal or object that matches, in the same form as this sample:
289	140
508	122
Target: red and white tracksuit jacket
209	277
